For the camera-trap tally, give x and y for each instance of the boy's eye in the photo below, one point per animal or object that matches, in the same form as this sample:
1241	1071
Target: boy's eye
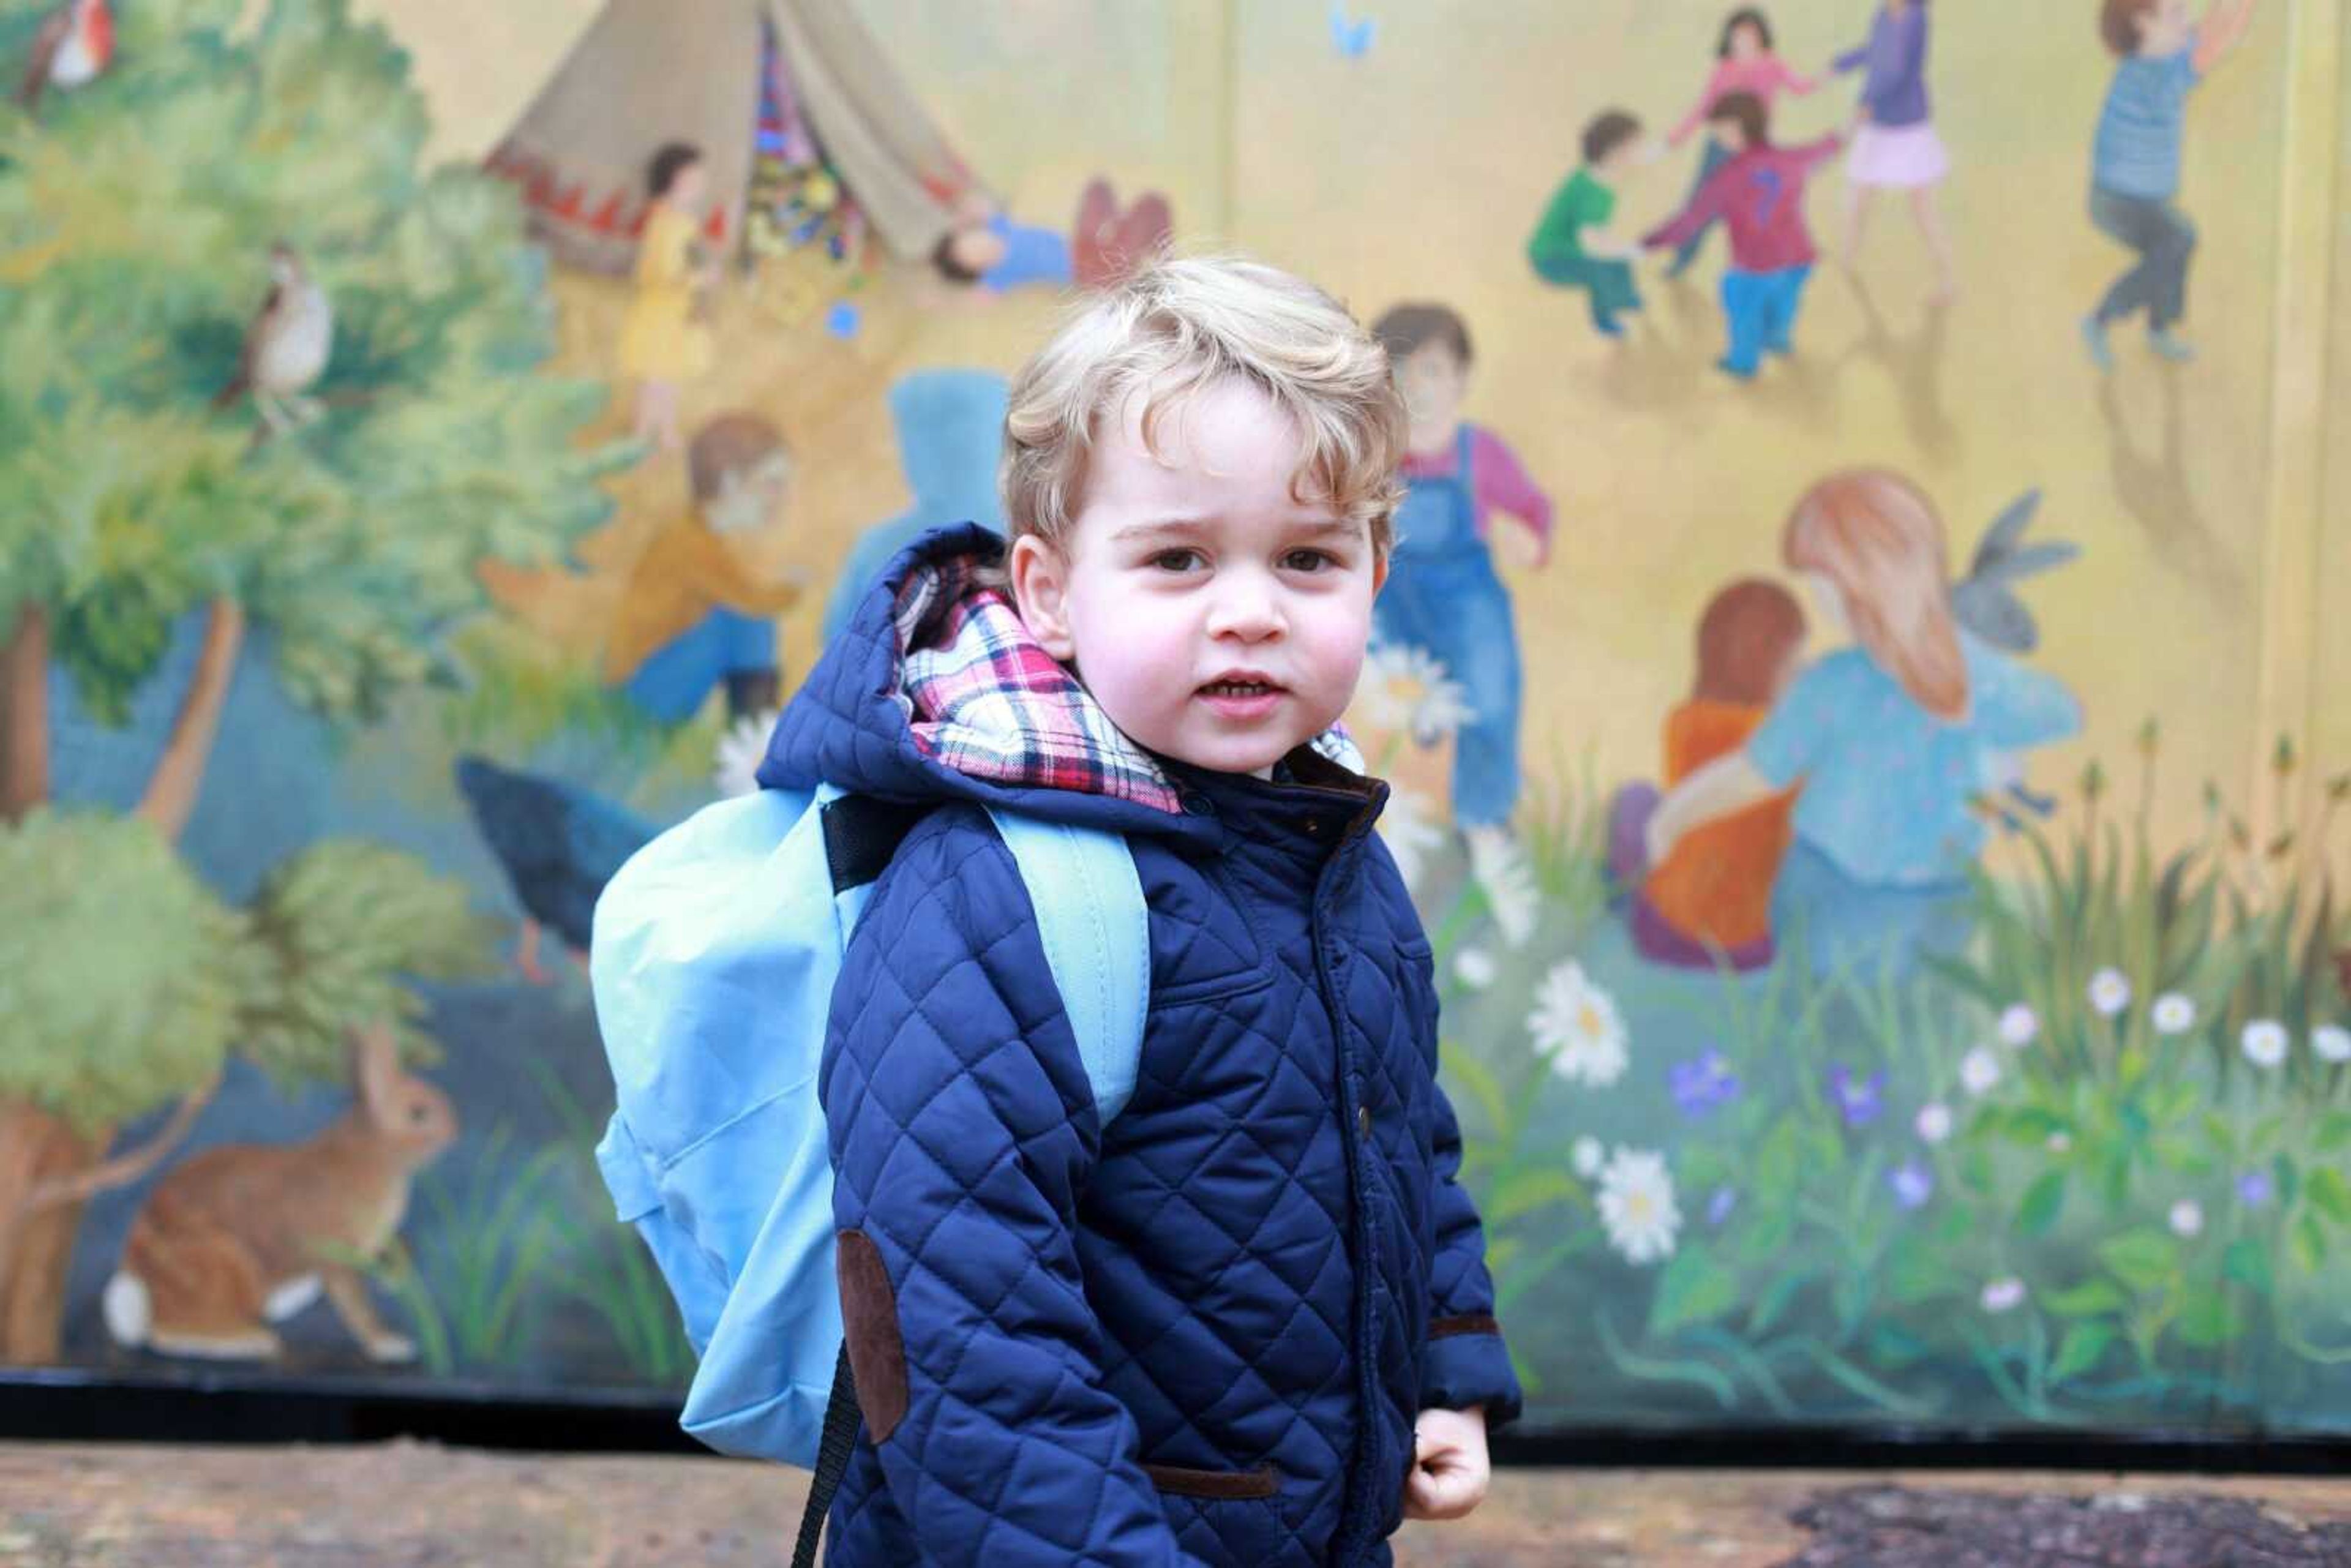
1175	560
1309	560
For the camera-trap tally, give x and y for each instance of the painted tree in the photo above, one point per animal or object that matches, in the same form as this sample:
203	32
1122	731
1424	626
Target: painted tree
138	217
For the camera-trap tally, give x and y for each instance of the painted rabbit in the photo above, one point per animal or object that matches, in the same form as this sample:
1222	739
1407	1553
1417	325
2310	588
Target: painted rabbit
229	1241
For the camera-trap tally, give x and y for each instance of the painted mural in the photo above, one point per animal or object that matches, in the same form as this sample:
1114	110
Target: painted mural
1859	676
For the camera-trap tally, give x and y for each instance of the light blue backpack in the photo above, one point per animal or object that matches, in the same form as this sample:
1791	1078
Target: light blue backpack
714	957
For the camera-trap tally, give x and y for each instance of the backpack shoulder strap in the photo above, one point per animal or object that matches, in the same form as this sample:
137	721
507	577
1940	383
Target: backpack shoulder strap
1097	937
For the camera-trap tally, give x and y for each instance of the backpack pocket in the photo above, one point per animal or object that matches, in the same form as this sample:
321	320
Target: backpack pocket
697	1280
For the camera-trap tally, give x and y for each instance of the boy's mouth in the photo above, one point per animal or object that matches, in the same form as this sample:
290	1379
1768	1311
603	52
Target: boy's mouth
1246	695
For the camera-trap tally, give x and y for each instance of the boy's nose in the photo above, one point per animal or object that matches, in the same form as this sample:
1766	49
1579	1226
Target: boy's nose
1249	613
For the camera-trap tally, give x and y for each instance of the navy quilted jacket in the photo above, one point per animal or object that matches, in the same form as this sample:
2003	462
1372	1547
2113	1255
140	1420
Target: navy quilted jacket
1202	1334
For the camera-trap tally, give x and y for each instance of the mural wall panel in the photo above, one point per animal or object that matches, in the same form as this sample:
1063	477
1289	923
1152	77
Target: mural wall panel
1862	683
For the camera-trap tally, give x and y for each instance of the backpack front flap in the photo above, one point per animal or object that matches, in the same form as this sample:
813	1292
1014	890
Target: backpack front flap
712	964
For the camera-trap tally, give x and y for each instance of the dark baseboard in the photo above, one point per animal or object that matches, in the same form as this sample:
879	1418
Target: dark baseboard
67	1406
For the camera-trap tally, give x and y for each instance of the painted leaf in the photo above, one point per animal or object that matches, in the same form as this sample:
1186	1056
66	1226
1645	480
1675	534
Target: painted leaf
2140	1259
2210	1320
2043	1201
2331	1195
2334	1132
2080	1350
2307	1241
1525	1191
1694	1289
2247	1264
2087	1300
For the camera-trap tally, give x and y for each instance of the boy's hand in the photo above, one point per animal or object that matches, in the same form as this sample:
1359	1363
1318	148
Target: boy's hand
1449	1470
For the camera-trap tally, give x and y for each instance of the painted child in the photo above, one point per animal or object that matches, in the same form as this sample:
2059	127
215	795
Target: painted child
2161	55
950	427
1896	146
692	617
1442	593
1759	192
1708	903
1049	1313
1573	245
1891	738
664	341
1744	62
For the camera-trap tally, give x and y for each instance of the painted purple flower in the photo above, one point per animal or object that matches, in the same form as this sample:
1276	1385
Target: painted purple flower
1704	1082
1913	1184
1859	1102
1718	1207
2254	1189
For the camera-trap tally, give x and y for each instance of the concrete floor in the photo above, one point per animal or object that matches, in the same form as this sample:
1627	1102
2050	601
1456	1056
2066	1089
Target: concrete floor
406	1505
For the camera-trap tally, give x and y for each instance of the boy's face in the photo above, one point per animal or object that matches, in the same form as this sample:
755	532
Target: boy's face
2165	27
1791	664
750	498
686	191
1218	618
1727	134
1433	381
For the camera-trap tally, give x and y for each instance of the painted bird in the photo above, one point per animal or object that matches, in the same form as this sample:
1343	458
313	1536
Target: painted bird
558	846
73	47
286	348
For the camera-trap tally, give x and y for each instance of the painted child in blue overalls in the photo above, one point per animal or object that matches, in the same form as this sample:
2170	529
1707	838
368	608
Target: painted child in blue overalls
1443	593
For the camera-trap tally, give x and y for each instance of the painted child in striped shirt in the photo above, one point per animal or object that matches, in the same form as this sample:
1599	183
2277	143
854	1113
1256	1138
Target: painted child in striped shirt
2134	162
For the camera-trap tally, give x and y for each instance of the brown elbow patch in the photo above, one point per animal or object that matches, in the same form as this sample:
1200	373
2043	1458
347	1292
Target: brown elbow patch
1445	1328
1221	1485
869	1319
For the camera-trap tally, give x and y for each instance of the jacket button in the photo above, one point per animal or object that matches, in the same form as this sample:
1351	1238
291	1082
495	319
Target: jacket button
1363	1120
1200	805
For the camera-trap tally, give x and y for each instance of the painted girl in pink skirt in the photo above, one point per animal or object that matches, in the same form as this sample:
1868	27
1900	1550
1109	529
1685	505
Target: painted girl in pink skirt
1894	147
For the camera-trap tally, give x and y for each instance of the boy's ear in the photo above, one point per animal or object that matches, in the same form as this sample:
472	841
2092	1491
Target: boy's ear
1040	590
1379	570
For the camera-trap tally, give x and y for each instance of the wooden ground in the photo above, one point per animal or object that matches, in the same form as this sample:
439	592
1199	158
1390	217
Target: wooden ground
407	1505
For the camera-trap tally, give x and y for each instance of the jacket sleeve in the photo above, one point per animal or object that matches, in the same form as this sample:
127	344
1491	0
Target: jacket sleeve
1712	201
1465	1363
962	1132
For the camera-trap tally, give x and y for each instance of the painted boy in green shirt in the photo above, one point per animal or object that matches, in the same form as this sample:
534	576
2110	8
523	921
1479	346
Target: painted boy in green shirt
1573	246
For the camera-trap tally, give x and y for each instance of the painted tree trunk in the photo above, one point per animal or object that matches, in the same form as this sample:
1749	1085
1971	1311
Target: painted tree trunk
25	714
36	1248
37	1150
179	777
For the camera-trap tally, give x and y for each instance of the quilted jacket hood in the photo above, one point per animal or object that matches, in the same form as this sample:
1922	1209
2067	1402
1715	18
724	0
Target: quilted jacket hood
934	693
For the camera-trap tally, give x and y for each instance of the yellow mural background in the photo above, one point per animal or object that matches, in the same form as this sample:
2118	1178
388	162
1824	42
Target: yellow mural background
2212	501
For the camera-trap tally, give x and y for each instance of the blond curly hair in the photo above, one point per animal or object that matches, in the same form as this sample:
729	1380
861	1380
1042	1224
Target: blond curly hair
1179	325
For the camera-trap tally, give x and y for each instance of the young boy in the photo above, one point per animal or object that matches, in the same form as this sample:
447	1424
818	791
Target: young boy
1573	245
1444	594
691	617
1248	1321
2162	52
1759	195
